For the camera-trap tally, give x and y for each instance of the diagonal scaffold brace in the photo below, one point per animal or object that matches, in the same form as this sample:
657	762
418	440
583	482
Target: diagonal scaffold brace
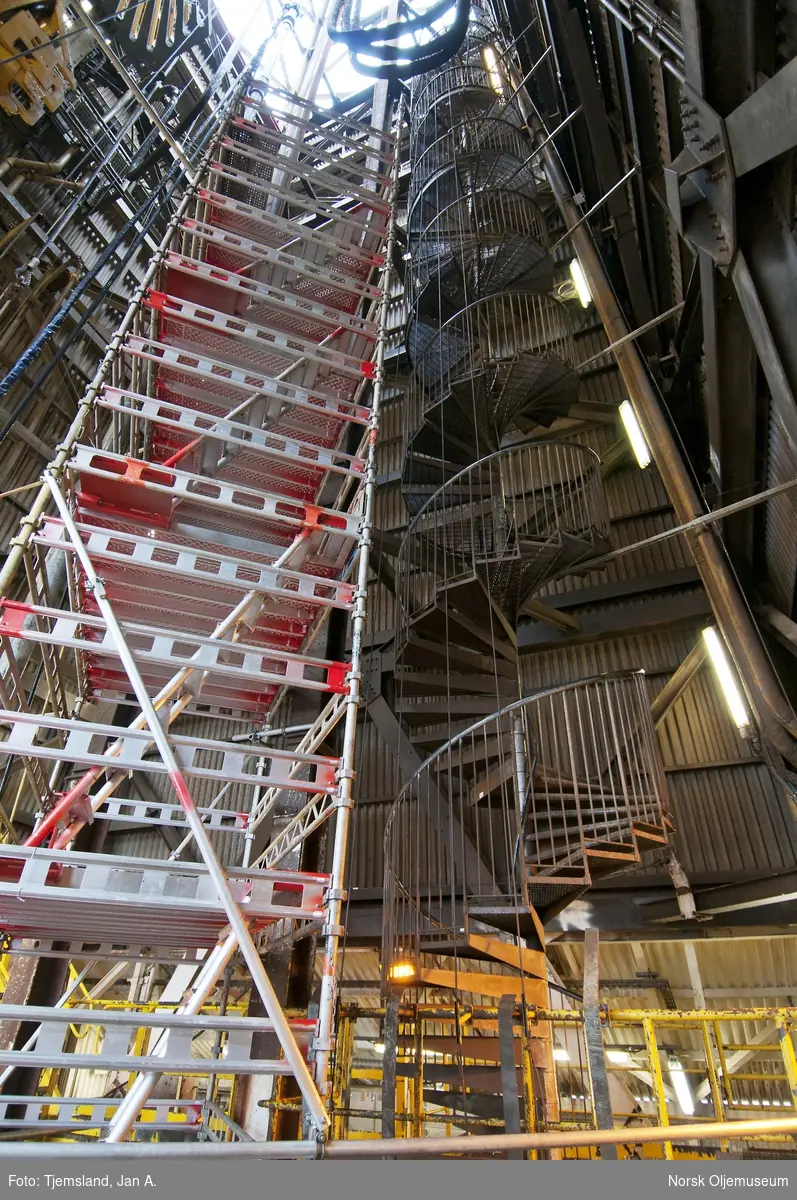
238	925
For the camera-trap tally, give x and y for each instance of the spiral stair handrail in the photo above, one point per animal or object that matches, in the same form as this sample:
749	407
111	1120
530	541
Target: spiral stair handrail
524	807
517	812
516	516
480	150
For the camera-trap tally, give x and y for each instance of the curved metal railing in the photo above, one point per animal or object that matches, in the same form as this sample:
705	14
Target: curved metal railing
497	357
503	526
482	149
523	808
483	242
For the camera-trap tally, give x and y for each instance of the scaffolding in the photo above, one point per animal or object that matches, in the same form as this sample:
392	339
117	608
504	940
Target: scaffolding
208	511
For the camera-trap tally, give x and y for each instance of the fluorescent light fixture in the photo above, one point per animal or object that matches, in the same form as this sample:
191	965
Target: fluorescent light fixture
379	1047
86	5
635	435
490	59
727	679
560	1054
681	1088
580	281
620	1057
401	970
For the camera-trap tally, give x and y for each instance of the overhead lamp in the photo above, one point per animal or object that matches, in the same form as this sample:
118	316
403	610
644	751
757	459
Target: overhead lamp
618	1057
379	1047
580	282
490	59
86	5
635	435
560	1054
683	1093
727	680
401	970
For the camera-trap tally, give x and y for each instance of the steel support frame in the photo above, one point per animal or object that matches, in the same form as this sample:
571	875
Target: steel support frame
72	540
345	800
775	712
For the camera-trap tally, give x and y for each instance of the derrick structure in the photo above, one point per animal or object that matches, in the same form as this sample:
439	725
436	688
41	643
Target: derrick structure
208	512
526	795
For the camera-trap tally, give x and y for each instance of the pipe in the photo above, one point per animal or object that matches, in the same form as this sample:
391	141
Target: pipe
501	1143
433	1147
777	718
709	518
52	167
647	40
11	236
71	185
599	204
330	972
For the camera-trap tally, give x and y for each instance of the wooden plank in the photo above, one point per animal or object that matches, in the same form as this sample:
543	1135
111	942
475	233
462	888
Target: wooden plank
535	991
533	962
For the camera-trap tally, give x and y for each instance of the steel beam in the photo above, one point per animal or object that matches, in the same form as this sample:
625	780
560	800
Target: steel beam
678	682
389	1059
593	1036
763	126
776	889
394	737
509	1082
774	710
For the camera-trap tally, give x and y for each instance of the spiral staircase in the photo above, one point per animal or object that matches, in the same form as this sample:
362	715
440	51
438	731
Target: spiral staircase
523	800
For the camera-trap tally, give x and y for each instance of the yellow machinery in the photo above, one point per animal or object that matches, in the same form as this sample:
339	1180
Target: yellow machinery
35	74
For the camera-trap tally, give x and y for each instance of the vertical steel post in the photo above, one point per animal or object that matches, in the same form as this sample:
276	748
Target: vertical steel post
716	1094
417	1095
390	1039
509	1088
344	800
593	1037
789	1057
657	1078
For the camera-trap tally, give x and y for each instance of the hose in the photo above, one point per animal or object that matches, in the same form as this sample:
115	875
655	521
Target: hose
363	39
416	60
